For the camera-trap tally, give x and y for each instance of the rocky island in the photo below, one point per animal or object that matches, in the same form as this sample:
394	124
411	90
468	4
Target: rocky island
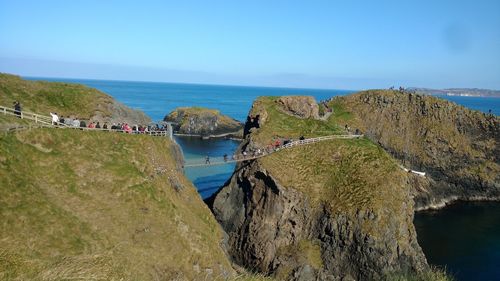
203	122
332	210
343	209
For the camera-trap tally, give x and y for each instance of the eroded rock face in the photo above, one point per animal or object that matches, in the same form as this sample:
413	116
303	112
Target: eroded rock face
123	114
203	122
299	106
457	147
277	231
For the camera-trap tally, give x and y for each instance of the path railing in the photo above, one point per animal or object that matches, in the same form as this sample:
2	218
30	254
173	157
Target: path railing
46	121
37	118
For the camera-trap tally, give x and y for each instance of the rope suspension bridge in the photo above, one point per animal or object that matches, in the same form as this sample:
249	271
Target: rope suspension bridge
46	121
207	162
263	153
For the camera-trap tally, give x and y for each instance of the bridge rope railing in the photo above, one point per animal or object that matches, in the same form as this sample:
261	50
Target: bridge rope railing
222	161
46	122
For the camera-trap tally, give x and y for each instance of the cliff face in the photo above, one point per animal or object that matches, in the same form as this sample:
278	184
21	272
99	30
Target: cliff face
66	99
457	147
203	122
336	210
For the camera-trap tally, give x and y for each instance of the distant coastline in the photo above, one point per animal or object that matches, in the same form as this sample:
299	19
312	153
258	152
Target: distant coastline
460	92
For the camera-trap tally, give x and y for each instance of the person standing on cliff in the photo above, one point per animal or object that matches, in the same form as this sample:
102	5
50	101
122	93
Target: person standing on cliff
17	109
55	118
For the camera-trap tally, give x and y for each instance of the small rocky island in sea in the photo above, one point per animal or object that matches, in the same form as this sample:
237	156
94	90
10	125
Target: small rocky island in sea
203	122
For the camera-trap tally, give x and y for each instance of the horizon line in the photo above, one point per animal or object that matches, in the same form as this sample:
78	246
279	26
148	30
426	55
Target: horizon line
194	83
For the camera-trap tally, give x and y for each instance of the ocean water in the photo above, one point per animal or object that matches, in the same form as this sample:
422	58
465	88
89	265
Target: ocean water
464	237
207	179
158	99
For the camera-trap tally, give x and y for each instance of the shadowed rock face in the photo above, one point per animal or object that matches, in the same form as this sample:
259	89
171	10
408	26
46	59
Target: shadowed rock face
299	106
123	114
457	147
202	121
267	224
288	233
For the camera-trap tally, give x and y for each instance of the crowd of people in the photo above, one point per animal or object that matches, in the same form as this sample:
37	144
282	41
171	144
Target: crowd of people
125	127
78	123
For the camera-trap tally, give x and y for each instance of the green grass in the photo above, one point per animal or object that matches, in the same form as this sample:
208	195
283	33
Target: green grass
94	205
426	131
44	97
304	252
434	274
344	174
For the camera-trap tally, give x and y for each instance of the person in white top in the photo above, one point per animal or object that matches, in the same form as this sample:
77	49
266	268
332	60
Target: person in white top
55	118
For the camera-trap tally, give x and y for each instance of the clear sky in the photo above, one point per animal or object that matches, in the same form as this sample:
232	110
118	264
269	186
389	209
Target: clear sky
319	44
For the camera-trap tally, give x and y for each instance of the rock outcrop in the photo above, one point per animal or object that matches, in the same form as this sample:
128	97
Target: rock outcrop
458	148
338	210
205	122
299	106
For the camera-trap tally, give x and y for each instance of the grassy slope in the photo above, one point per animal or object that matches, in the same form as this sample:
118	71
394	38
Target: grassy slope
100	205
44	97
411	130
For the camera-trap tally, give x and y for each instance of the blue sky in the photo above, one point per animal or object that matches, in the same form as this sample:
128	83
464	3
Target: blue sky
317	44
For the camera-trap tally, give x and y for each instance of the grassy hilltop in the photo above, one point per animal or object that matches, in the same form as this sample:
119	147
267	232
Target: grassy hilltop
66	99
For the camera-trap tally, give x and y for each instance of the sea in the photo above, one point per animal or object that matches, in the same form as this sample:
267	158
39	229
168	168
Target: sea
464	238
